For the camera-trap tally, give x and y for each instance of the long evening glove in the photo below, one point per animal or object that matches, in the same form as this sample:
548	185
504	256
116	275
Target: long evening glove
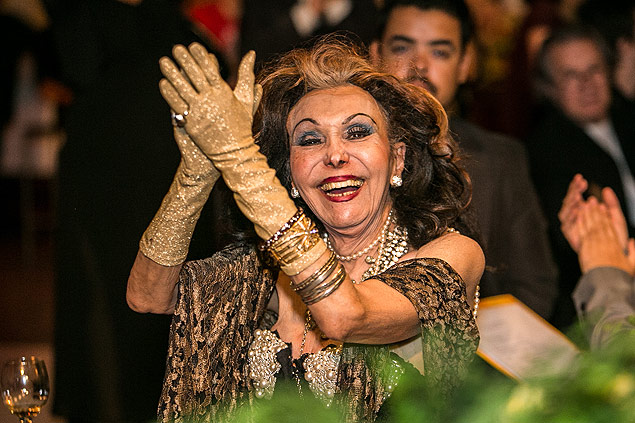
167	239
219	121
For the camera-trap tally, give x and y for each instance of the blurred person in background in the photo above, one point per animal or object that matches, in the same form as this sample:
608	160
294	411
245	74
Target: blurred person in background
580	130
110	361
508	105
616	23
274	27
427	43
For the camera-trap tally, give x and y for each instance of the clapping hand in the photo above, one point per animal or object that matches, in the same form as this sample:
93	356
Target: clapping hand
596	230
574	202
600	245
215	116
219	121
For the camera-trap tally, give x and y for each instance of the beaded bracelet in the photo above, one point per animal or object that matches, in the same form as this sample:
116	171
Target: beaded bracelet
266	245
296	245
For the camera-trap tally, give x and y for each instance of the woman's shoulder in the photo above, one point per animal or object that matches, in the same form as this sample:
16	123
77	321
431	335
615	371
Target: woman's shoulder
462	253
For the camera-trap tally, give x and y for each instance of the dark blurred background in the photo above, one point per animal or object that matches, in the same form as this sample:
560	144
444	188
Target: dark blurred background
56	61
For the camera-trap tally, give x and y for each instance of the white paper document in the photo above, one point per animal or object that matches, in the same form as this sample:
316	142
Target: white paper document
518	342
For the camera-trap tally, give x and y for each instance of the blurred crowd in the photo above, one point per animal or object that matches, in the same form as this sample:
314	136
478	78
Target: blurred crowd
536	92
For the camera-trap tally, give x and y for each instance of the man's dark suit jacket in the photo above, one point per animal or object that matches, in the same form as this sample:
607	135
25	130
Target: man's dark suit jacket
559	149
512	224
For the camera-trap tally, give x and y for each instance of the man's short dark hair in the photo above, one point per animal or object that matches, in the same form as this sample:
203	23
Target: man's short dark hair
456	8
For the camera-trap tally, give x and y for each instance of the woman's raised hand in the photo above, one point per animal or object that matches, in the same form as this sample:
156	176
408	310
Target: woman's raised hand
219	121
215	116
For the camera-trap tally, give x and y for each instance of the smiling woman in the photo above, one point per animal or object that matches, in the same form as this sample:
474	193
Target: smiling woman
365	257
346	158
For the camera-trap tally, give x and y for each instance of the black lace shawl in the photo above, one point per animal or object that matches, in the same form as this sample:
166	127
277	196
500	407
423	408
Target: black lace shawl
222	299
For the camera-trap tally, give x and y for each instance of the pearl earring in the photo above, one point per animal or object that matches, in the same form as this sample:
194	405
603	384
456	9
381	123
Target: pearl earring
396	181
294	192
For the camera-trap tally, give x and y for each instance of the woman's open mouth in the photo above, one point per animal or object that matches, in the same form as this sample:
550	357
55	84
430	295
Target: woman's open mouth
340	189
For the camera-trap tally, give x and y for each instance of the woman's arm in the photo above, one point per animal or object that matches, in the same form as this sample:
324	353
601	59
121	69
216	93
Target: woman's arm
374	313
164	245
463	254
152	288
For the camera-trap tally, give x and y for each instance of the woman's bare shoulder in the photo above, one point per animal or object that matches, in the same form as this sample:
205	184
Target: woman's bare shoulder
461	252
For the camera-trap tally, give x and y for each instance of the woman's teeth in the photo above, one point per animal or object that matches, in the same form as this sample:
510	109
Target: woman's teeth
341	188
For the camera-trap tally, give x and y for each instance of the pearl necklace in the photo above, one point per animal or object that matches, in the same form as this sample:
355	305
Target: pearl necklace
477	300
392	247
477	294
390	252
382	236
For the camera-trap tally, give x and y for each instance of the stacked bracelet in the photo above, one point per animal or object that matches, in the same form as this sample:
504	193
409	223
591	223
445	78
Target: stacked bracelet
296	245
318	286
316	278
266	245
325	289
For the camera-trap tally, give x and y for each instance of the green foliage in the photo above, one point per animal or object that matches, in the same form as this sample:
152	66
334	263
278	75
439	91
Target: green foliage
287	406
598	387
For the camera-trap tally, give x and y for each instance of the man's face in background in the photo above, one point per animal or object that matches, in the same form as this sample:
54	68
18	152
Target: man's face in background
423	47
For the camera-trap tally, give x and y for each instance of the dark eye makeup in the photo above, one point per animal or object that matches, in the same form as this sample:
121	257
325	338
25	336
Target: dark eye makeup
308	138
358	131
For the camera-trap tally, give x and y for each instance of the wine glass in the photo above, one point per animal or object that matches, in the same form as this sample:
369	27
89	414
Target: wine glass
25	387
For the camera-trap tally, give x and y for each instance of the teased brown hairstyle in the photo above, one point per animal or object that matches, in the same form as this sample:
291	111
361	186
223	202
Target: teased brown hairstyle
435	191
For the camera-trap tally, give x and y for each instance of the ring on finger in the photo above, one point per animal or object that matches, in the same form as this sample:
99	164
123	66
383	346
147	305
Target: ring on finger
179	119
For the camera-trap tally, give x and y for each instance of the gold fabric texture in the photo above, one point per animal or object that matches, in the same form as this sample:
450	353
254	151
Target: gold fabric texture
219	121
257	191
167	239
222	301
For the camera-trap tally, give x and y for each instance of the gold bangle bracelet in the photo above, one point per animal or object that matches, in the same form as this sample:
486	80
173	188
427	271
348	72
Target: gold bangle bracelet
319	289
305	260
317	281
328	266
332	287
298	239
266	245
296	245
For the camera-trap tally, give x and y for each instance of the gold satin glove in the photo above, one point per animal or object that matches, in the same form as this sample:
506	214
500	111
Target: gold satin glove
167	239
219	121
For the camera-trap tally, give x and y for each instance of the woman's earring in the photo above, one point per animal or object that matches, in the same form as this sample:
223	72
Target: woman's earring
396	181
294	192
